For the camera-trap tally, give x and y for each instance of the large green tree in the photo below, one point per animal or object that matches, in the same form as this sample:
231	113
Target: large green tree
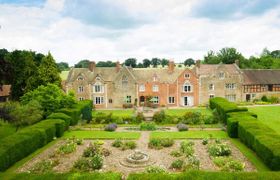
82	64
155	62
189	62
164	62
211	58
131	62
5	68
146	63
229	55
63	66
105	64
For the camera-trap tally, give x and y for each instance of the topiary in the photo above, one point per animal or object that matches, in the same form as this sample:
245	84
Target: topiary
182	127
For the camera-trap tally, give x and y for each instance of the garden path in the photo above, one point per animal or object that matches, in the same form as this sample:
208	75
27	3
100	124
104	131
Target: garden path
143	140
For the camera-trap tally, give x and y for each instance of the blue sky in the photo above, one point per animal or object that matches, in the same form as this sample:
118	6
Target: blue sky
118	29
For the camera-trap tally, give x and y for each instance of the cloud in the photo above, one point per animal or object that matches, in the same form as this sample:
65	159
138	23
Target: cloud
145	29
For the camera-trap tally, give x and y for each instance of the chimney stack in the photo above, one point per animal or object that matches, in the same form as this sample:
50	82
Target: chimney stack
91	66
197	63
237	62
118	66
171	66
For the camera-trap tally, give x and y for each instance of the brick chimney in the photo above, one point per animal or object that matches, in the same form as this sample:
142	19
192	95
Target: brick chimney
171	66
237	62
91	66
197	63
118	66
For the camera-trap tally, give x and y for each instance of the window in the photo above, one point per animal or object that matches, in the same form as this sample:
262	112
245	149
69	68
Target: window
81	98
155	88
187	75
98	88
110	101
211	87
142	87
171	100
221	75
98	100
187	87
128	99
80	89
253	95
80	78
231	97
156	100
155	78
230	86
211	96
124	81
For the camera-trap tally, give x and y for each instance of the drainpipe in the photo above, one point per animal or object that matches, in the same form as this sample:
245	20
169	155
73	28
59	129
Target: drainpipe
177	93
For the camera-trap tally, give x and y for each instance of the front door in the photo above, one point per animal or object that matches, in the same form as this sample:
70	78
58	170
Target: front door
186	101
248	97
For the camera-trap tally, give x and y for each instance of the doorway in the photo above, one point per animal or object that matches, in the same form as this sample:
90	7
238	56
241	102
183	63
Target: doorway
248	97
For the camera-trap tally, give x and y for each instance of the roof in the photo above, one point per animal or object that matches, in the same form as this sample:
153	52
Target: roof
208	69
261	76
5	90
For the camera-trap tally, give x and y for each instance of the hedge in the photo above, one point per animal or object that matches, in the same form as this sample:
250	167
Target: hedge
207	175
19	145
263	140
62	116
74	113
86	109
223	107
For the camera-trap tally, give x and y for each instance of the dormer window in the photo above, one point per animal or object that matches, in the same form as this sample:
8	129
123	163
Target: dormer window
221	75
187	75
80	78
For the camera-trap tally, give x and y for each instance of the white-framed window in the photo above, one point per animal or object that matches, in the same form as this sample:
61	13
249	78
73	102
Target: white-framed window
81	98
187	75
98	88
231	97
221	75
80	89
80	78
155	88
171	100
128	99
230	86
98	100
211	87
156	99
124	81
187	87
142	88
211	96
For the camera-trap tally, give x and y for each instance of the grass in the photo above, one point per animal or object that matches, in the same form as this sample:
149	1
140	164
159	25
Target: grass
181	112
268	115
190	134
118	113
251	155
102	135
63	75
6	130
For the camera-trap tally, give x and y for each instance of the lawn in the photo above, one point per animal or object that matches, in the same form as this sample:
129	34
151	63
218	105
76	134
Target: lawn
181	112
190	134
118	113
269	115
102	135
6	130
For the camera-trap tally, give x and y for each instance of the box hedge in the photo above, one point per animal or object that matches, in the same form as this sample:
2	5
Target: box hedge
86	107
61	116
74	113
19	145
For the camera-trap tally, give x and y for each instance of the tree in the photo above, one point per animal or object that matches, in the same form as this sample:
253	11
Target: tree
164	62
5	68
48	71
82	64
146	63
189	62
140	65
211	58
131	62
106	64
229	55
27	114
63	66
275	54
50	97
155	62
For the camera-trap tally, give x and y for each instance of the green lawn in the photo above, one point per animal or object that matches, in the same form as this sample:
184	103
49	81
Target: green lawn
119	113
181	112
269	115
190	134
102	135
251	155
6	130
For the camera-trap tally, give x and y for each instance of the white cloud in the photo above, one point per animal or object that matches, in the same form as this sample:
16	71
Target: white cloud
173	34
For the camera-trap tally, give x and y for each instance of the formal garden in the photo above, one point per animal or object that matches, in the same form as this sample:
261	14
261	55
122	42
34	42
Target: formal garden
75	141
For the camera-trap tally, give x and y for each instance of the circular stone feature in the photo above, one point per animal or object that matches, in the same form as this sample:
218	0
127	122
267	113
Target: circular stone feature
137	159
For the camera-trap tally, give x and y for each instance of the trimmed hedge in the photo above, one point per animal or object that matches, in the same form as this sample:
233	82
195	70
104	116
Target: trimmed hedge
62	116
19	145
86	107
74	113
207	175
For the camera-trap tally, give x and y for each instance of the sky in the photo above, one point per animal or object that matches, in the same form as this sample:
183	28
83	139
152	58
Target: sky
101	30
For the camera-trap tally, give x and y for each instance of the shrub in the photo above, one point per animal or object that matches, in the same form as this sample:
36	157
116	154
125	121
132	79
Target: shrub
273	100
159	117
96	162
139	118
158	143
105	152
44	166
182	127
128	145
166	142
127	105
148	126
74	113
229	164
177	164
191	118
82	164
67	148
187	148
222	149
192	163
62	116
117	143
264	98
176	153
92	150
86	107
154	169
209	119
205	141
111	127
